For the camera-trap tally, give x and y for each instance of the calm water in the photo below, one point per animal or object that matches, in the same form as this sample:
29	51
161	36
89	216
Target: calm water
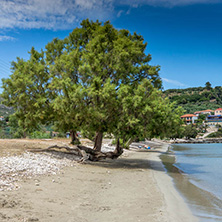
197	173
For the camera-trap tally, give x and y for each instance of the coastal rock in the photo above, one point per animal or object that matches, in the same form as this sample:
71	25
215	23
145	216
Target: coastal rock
208	140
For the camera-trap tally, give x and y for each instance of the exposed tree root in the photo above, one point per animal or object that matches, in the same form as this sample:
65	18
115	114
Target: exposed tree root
73	150
85	153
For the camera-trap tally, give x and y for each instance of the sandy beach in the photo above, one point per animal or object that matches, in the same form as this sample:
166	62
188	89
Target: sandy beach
133	188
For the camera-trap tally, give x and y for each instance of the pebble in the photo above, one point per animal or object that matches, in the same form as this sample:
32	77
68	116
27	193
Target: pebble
30	165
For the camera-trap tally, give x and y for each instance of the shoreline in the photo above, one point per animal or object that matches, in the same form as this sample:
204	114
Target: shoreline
134	187
176	206
203	201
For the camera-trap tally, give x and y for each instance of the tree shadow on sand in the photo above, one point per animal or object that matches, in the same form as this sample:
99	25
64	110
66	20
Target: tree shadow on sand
126	163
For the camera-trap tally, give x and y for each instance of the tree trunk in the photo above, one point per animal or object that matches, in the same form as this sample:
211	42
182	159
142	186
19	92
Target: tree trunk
85	153
24	132
128	143
98	141
95	155
74	139
118	149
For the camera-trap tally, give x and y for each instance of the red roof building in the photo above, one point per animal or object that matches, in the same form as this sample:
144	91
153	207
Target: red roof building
207	111
218	111
189	118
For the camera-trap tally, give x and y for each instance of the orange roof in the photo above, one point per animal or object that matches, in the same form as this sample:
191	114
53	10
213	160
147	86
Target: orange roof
207	110
188	115
218	109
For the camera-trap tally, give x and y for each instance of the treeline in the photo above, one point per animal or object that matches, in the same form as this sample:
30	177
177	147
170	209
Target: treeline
10	129
196	98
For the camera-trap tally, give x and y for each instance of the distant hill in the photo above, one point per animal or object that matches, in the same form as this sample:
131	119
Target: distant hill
4	110
196	98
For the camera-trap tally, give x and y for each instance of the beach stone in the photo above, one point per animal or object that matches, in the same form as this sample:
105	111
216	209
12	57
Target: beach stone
33	219
29	165
4	216
8	203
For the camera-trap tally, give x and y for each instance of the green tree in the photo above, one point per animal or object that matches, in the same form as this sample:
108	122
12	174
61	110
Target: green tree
208	85
202	117
88	70
99	80
190	131
16	131
146	114
26	91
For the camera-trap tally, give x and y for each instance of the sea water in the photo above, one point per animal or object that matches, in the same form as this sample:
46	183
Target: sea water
197	173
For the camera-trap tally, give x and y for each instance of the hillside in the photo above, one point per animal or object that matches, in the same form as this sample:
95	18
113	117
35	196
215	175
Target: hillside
4	110
196	98
191	99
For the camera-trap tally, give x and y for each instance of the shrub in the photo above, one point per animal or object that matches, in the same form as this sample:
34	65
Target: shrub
39	135
215	134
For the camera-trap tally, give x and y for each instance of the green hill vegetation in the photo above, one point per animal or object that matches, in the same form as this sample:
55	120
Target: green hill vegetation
5	110
196	98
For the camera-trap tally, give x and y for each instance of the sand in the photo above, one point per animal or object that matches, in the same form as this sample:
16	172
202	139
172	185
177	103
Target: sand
133	188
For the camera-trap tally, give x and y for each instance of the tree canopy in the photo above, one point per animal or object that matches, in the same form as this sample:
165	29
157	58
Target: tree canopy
98	79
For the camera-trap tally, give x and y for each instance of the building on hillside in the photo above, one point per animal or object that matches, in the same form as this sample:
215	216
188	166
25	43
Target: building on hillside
214	120
207	111
189	118
1	118
52	133
218	111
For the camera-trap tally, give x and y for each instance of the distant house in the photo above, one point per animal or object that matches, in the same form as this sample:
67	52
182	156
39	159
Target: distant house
218	111
214	120
52	133
207	111
189	118
1	118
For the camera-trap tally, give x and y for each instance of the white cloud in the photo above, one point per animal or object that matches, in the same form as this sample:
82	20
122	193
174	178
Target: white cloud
166	3
119	13
6	38
174	82
65	14
48	14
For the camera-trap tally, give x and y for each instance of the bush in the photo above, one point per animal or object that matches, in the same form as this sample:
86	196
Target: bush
190	132
215	135
39	135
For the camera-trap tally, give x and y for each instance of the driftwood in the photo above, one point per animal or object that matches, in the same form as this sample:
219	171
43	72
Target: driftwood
85	153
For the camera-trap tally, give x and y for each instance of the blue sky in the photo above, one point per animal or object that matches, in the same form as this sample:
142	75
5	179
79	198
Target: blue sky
184	36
